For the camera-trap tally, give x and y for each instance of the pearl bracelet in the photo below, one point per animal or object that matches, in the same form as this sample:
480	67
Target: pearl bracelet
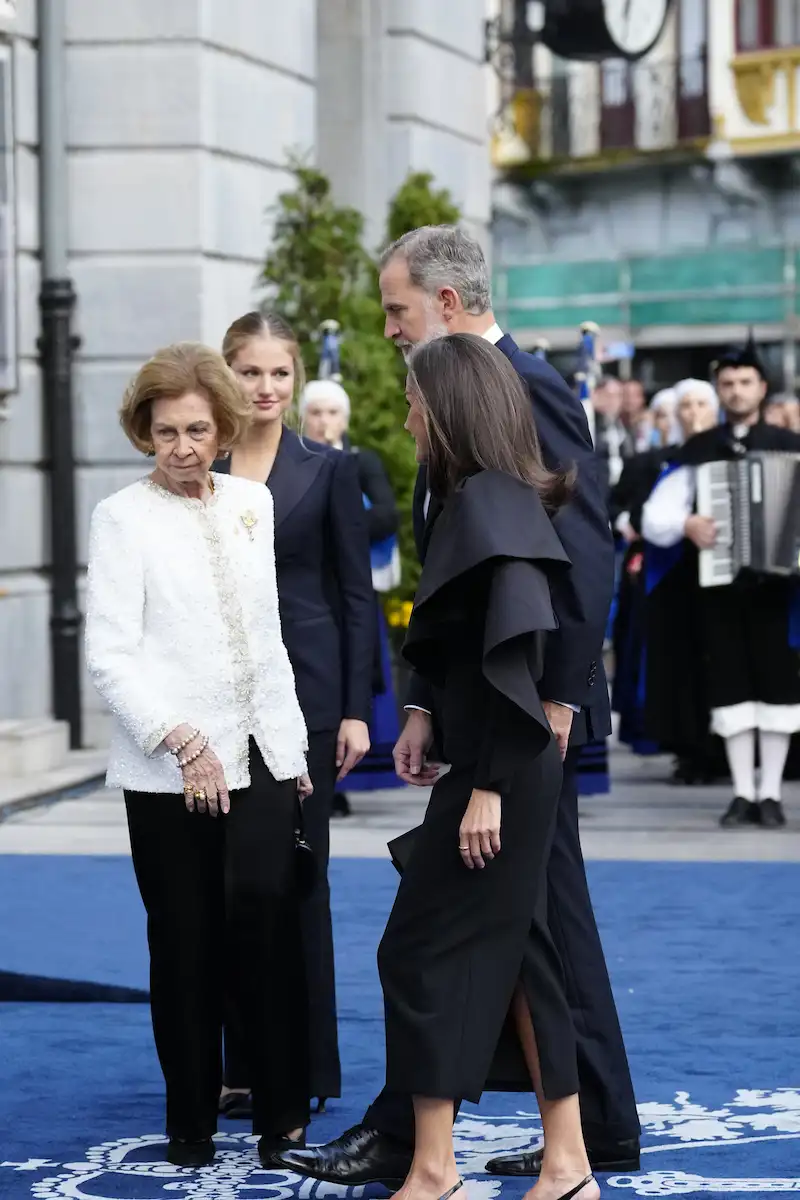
177	749
184	762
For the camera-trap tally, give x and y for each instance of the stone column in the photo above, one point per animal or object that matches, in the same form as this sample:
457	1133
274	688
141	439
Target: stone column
351	107
438	101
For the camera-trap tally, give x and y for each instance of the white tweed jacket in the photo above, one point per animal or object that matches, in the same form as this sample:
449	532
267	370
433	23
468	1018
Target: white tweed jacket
182	626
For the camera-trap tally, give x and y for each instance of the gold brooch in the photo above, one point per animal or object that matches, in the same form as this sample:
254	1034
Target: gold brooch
249	520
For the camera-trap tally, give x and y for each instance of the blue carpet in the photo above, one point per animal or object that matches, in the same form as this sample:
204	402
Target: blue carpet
705	966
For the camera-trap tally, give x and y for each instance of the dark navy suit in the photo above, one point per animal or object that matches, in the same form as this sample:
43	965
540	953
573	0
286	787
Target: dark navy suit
327	609
573	674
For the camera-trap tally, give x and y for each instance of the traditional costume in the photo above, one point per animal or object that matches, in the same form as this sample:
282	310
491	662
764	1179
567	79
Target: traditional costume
724	650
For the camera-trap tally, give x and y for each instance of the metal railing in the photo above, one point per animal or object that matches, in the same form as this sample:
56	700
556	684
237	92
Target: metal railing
618	106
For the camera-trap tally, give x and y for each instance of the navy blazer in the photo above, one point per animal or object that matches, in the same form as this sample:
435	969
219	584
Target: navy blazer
325	595
573	666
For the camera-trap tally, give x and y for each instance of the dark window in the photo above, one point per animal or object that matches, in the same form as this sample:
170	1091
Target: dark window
767	24
694	119
617	107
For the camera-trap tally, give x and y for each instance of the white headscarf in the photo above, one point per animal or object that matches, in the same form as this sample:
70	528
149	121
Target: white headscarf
666	401
706	389
326	390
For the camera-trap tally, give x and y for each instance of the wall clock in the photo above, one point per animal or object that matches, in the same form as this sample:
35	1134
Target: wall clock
597	29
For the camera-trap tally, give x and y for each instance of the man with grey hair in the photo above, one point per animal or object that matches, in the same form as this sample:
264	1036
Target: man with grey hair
435	281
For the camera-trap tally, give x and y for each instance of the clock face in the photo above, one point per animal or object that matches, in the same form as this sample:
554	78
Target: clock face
635	25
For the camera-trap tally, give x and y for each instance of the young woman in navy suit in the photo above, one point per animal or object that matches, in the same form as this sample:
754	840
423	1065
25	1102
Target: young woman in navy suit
327	614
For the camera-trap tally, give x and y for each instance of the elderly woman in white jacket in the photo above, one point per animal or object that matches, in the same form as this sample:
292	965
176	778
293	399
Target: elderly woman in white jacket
183	641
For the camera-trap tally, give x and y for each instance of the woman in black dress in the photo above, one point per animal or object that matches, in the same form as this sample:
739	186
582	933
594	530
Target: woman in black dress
467	947
327	610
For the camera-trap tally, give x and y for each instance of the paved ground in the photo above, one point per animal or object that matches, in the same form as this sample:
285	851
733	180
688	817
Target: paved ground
645	817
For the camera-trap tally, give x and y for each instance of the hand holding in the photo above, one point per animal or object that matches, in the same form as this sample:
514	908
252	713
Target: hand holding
410	762
479	835
305	787
702	531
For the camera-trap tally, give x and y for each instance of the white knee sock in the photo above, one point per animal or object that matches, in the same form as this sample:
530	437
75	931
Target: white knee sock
774	749
741	751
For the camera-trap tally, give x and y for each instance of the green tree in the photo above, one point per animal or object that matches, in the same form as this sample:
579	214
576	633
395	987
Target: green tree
318	269
416	203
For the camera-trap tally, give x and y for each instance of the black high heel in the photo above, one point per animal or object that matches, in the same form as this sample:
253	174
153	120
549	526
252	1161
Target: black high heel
579	1188
456	1187
321	1103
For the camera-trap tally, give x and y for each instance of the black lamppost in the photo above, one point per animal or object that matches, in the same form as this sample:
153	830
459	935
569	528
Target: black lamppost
57	346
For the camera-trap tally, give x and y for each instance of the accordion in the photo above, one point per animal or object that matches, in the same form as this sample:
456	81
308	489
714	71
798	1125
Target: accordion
755	503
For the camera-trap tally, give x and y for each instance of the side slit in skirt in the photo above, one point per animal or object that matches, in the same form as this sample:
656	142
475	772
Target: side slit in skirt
458	942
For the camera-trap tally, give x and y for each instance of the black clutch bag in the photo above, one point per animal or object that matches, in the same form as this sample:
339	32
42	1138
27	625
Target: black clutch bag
304	860
401	848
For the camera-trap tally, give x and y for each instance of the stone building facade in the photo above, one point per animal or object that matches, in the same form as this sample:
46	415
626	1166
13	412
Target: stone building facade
179	119
659	198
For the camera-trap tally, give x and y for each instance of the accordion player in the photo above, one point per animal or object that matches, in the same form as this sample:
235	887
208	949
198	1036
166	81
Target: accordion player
754	502
725	520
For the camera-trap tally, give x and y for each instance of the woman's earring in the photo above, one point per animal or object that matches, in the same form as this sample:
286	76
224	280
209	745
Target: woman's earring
151	453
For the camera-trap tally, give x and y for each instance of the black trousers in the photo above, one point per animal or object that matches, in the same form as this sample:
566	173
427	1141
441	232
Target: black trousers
608	1106
317	939
222	904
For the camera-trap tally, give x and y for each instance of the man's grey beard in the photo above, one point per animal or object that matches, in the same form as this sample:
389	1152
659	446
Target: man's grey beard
435	330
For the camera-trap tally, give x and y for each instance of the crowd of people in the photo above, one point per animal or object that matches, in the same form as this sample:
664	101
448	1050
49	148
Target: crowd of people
709	674
232	627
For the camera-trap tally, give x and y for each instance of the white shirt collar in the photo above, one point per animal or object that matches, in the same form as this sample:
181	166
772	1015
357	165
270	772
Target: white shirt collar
493	334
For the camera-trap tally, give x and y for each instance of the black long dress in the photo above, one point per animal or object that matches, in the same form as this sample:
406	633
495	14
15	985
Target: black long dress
458	941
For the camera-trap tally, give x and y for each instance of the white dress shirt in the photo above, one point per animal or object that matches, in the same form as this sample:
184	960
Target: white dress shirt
182	626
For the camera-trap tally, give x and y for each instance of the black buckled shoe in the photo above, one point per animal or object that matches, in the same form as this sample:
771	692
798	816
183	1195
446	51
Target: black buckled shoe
619	1158
772	814
740	812
190	1154
359	1156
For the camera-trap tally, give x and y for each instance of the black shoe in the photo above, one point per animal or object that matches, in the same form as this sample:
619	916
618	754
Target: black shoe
359	1156
741	812
237	1106
271	1144
772	814
622	1158
190	1154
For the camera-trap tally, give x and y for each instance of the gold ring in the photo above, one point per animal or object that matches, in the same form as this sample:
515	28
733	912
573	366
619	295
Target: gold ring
199	795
